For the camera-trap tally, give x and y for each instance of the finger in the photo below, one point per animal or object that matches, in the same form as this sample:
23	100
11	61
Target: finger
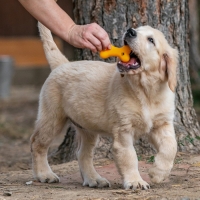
89	45
78	37
95	42
102	36
88	35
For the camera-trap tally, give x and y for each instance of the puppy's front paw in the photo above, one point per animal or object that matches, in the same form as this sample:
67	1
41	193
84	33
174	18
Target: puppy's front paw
138	184
48	177
96	182
158	175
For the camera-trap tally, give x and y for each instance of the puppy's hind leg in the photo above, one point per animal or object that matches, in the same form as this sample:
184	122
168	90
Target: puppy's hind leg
49	124
86	144
163	138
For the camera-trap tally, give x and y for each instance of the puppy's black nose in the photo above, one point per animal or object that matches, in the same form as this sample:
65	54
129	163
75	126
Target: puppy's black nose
131	33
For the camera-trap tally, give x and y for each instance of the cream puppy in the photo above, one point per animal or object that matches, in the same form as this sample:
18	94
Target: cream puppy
98	100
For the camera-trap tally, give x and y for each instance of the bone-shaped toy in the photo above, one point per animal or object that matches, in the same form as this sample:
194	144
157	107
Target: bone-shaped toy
123	53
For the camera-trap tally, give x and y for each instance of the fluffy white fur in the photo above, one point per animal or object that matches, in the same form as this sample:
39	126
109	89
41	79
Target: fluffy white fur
95	96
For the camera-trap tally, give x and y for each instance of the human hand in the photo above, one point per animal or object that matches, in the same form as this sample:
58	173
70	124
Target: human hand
90	36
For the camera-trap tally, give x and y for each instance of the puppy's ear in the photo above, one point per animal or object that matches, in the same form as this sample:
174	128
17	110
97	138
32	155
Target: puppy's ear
163	68
168	65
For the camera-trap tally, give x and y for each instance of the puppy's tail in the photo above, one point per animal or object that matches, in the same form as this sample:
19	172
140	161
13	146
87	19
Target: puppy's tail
53	54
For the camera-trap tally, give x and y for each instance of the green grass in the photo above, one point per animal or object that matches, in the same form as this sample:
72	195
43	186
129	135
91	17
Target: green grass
151	159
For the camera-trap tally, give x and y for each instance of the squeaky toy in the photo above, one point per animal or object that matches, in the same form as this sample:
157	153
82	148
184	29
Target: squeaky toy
123	53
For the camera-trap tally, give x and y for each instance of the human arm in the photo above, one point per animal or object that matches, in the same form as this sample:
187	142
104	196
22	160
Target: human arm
48	12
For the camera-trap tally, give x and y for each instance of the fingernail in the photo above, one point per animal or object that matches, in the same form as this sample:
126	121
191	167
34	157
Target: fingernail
109	47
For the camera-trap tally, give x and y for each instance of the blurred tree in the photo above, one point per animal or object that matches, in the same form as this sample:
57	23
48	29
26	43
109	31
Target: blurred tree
170	17
194	7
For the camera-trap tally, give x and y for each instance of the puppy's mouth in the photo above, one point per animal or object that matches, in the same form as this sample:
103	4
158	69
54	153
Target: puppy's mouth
133	64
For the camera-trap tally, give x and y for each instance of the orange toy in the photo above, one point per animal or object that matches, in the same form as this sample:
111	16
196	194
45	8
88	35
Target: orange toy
122	53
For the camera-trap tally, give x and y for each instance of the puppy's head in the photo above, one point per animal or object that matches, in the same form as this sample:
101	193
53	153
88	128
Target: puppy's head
150	53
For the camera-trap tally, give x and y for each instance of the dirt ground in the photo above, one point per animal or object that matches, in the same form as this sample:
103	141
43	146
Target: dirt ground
17	116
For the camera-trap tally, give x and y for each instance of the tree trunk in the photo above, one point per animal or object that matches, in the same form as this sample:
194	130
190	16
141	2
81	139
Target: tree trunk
170	17
67	150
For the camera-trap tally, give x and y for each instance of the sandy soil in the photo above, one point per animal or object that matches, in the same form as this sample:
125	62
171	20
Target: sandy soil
17	117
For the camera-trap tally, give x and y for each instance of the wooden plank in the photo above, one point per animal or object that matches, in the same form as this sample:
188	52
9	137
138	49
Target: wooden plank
27	52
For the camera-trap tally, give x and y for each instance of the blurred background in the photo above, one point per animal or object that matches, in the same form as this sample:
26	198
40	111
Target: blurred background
23	70
19	39
194	40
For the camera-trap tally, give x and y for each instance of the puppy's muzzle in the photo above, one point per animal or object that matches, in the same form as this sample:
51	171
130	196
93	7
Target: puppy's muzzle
134	63
131	33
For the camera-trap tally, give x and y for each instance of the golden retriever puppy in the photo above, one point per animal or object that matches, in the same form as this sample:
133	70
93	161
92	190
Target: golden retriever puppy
98	100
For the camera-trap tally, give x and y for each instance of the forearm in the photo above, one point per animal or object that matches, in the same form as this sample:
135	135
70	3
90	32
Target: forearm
51	15
90	36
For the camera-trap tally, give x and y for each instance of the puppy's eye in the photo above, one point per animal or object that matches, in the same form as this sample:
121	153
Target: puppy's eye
151	40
